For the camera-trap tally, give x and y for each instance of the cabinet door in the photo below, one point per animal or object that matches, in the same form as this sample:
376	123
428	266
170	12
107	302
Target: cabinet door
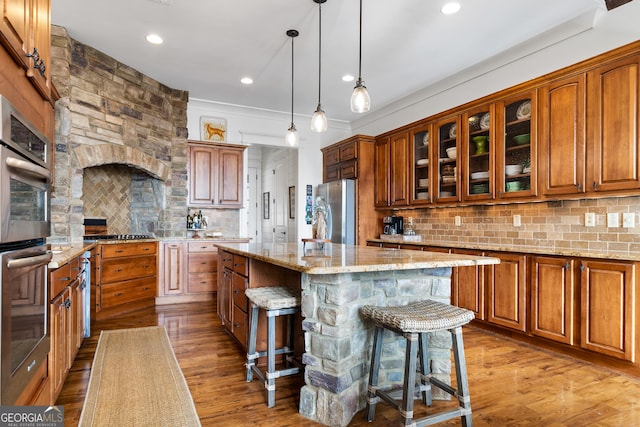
562	136
516	140
58	332
381	171
419	165
14	27
507	300
230	181
468	284
446	153
554	299
224	298
203	171
76	314
398	172
608	308
39	64
173	269
478	154
613	116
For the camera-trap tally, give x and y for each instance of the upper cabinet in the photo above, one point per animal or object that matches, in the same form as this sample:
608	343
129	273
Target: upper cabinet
391	162
215	175
420	164
26	34
446	156
381	172
478	158
613	113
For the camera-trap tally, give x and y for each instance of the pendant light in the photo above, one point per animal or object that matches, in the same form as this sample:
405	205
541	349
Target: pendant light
360	100
319	119
292	133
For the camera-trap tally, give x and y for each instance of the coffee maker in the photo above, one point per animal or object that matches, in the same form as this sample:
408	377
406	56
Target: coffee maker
392	225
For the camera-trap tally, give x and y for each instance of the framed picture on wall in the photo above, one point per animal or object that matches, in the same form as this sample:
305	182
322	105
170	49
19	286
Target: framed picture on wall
292	202
265	205
213	129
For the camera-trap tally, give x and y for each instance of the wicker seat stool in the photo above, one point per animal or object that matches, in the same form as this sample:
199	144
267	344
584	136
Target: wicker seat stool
276	301
414	321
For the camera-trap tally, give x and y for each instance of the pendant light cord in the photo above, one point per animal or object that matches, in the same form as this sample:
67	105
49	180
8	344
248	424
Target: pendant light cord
360	47
319	48
292	37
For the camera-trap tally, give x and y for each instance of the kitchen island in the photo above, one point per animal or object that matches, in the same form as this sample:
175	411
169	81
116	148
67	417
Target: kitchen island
336	281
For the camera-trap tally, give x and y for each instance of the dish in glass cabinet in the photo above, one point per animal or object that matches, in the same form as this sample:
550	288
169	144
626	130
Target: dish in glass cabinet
485	121
453	131
425	139
524	110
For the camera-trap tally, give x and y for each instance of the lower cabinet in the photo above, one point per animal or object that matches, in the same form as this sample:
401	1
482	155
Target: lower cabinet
468	286
506	291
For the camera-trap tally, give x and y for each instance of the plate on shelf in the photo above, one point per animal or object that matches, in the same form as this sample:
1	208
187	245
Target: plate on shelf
422	162
524	110
446	194
425	139
480	175
485	121
453	131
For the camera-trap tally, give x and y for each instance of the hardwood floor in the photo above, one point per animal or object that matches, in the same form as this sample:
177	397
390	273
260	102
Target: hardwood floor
512	384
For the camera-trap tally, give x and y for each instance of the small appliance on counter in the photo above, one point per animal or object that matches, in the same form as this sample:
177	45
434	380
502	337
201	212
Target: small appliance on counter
392	225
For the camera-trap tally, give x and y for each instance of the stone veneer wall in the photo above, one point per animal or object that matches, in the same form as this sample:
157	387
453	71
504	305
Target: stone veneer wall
547	226
124	117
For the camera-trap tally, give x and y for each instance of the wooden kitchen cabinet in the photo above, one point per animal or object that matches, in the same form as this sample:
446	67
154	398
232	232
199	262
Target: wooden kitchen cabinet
447	171
478	146
128	278
391	165
25	31
59	326
420	164
232	302
203	268
608	302
174	266
225	273
613	115
554	299
468	285
381	172
506	291
216	175
562	136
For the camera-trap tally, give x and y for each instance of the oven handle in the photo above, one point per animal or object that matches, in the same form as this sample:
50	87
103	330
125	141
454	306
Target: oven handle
28	167
44	258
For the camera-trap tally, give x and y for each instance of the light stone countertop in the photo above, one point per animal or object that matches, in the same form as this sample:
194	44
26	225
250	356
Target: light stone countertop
338	258
64	254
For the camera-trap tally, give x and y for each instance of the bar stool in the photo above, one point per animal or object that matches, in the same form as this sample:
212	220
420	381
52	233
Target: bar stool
276	301
413	321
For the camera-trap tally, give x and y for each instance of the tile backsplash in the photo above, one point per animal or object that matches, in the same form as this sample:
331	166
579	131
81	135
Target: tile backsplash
555	227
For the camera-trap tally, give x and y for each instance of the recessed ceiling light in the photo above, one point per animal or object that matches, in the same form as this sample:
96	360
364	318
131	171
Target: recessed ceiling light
450	8
246	80
348	78
154	39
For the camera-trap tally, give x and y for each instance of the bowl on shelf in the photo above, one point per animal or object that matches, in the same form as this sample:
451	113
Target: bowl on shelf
446	194
514	186
448	179
422	195
511	170
480	175
423	182
479	188
451	152
422	162
522	139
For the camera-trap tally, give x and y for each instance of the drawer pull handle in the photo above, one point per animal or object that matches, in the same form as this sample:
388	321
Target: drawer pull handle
203	247
64	279
145	289
31	365
204	263
118	270
117	294
146	249
119	251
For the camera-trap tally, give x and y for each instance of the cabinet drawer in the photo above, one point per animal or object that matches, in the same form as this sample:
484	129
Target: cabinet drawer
241	265
128	249
331	157
239	284
227	260
60	279
203	263
348	152
239	325
332	173
124	292
349	169
118	269
202	247
202	282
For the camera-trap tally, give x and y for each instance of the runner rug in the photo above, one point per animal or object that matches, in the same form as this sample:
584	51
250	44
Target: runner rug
136	381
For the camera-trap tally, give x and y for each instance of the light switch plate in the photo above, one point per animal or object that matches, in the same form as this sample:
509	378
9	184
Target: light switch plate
458	221
613	220
589	219
517	221
628	220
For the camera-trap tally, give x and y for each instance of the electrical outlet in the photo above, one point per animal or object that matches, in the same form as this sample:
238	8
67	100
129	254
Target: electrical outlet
517	221
589	219
628	220
458	221
613	220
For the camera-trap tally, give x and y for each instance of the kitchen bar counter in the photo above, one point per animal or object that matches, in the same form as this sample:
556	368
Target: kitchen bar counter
336	281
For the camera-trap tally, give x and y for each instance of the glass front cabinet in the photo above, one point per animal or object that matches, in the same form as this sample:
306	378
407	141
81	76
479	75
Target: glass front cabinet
478	156
420	158
516	146
446	154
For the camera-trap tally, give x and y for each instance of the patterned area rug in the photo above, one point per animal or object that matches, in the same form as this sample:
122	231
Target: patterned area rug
136	381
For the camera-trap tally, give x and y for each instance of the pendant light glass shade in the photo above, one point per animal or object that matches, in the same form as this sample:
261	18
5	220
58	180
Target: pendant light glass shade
319	119
360	100
292	133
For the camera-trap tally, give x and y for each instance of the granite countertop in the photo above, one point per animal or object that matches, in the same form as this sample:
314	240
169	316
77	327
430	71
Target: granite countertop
64	254
567	252
338	258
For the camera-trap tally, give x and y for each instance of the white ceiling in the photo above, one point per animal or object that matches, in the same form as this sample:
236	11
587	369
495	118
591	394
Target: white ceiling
408	45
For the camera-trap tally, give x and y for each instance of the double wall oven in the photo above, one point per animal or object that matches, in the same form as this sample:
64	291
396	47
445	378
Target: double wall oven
25	182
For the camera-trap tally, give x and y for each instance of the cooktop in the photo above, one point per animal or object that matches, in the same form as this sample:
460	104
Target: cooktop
117	237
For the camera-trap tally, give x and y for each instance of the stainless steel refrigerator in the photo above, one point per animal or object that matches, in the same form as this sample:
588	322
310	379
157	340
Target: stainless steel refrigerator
340	197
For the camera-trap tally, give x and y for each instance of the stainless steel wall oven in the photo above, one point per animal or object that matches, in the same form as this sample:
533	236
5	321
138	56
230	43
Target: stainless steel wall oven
25	183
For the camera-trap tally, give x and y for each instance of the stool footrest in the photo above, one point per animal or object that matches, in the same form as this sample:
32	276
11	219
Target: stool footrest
443	386
440	417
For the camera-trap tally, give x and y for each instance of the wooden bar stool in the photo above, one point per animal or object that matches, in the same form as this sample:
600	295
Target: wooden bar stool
276	301
414	321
